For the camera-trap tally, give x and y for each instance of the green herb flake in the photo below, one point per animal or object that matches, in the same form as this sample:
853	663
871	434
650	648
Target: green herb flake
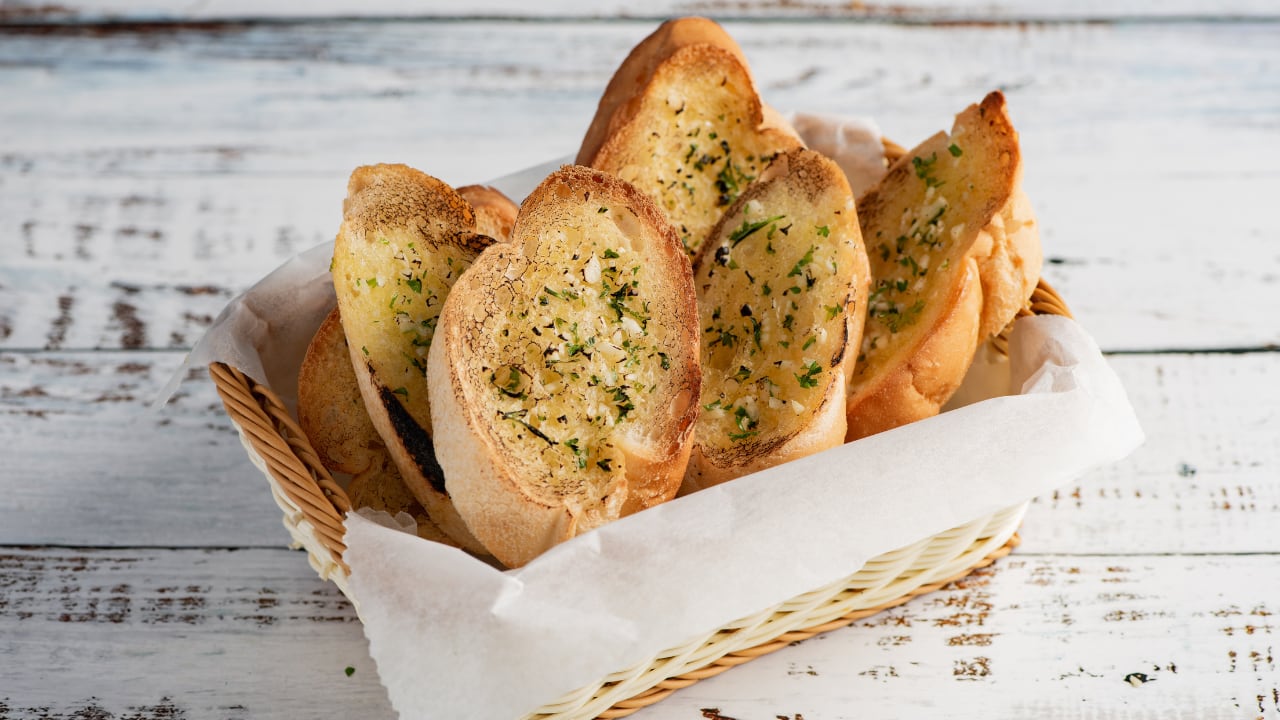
349	671
954	150
809	343
798	268
832	311
415	284
402	392
748	228
810	377
610	254
824	231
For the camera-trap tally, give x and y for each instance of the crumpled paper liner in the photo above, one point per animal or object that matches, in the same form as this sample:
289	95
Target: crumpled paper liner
454	637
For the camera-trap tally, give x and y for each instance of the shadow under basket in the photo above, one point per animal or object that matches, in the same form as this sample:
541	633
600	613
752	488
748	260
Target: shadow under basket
314	506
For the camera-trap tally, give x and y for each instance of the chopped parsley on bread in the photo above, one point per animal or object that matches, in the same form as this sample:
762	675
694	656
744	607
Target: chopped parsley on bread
682	121
781	288
405	239
955	253
564	372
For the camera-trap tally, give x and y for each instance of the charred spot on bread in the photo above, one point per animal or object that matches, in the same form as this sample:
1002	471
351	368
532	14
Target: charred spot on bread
416	440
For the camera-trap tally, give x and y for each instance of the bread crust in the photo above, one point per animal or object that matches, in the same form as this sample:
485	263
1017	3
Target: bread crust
330	407
636	72
512	500
495	212
800	191
393	211
691	166
995	262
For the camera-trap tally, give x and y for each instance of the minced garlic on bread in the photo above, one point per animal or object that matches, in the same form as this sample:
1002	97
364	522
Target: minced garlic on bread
405	239
954	252
682	121
781	287
564	373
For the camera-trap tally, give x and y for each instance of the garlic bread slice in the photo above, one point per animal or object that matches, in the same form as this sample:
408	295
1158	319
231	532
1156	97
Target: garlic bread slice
495	212
781	287
955	252
405	239
330	407
332	415
564	373
682	121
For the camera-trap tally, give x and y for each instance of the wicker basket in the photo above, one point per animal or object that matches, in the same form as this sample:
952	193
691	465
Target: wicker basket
314	506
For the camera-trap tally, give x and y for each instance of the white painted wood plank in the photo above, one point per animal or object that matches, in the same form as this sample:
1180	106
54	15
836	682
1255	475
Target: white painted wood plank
199	159
251	634
178	634
87	463
904	11
112	473
1035	637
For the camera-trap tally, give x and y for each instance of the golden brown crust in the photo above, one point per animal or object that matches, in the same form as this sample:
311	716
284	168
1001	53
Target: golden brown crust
495	212
637	70
781	285
691	136
508	458
330	407
381	488
929	374
405	238
953	212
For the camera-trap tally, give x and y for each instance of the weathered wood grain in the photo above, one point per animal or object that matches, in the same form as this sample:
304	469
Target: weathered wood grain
904	11
199	633
86	462
1036	637
189	160
113	473
178	634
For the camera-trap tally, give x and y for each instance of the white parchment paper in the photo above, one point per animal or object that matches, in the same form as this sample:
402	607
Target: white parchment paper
454	637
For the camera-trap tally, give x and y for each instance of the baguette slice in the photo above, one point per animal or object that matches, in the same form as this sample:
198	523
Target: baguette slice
781	287
330	407
564	375
681	120
405	239
332	415
495	213
955	252
382	488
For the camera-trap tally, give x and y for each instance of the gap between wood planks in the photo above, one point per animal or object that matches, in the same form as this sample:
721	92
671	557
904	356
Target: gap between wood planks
271	547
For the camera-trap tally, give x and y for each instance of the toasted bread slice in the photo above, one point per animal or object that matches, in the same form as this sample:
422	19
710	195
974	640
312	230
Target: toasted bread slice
381	488
564	374
405	239
782	286
332	415
681	120
330	408
955	252
495	213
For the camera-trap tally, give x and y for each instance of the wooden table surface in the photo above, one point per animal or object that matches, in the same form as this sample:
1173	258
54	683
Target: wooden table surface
156	160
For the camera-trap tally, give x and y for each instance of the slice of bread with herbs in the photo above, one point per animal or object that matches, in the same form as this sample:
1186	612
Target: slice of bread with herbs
332	415
955	252
405	239
782	286
682	121
564	373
